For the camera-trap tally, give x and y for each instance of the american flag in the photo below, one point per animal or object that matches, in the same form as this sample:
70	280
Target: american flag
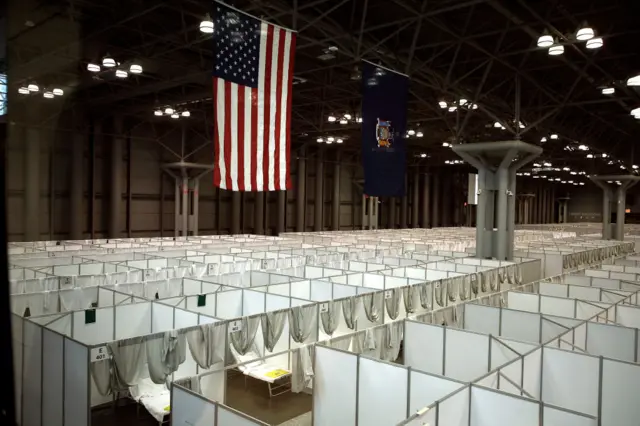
252	77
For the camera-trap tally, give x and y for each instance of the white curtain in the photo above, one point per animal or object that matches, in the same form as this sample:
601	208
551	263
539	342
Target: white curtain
301	322
206	344
438	291
165	354
392	302
371	303
101	372
272	326
425	295
331	317
392	340
242	340
453	288
342	342
474	283
129	357
350	311
408	295
464	289
302	369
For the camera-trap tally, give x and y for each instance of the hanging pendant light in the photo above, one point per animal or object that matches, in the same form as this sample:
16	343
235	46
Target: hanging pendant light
595	43
319	140
347	116
135	69
545	40
585	33
419	134
544	139
23	90
157	113
443	104
33	87
411	132
339	140
58	92
108	62
608	90
122	74
175	115
47	94
634	81
206	26
556	49
343	121
93	67
168	110
186	113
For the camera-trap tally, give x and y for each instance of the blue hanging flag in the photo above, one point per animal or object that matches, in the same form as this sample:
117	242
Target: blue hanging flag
384	116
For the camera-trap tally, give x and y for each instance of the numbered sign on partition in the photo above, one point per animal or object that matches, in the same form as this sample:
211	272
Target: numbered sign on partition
235	326
309	259
264	264
387	294
111	250
99	354
66	281
52	254
324	307
149	274
211	269
438	284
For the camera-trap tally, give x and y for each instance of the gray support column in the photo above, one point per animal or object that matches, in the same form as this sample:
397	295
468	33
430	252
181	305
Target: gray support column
502	214
318	219
543	217
481	214
436	201
391	217
176	203
415	201
236	211
301	192
511	213
115	204
185	206
31	214
404	206
196	205
426	204
565	215
621	195
553	206
258	214
77	217
281	224
335	197
606	213
539	202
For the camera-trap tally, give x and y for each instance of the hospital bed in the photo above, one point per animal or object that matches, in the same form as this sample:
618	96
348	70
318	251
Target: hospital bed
156	399
276	376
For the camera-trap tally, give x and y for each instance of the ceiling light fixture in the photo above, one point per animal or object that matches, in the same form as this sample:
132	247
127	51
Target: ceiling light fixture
554	136
347	116
175	115
343	121
186	114
462	101
122	74
419	134
319	140
446	144
497	125
545	40
23	90
423	155
595	43
583	148
589	155
135	69
47	94
411	132
556	50
566	169
536	165
443	104
544	139
634	81
33	87
581	184
608	90
547	164
330	139
206	26
339	140
93	67
585	33
58	92
331	119
168	110
108	62
452	108
157	113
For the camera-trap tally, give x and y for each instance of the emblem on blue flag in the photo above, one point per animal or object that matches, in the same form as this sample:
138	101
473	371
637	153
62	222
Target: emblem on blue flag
384	133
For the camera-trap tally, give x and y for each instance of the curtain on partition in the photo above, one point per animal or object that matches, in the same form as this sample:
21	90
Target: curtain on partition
371	303
78	299
425	295
392	302
438	292
165	354
464	287
129	357
350	311
301	322
330	317
101	372
272	326
302	369
408	294
341	343
391	343
206	344
242	340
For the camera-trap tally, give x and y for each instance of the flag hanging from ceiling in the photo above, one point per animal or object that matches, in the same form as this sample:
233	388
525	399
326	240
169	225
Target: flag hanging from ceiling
384	115
252	78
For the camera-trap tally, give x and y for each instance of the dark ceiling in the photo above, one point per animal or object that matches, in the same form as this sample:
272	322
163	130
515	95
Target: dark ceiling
481	50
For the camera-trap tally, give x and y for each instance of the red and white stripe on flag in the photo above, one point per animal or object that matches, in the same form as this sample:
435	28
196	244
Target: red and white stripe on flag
252	125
